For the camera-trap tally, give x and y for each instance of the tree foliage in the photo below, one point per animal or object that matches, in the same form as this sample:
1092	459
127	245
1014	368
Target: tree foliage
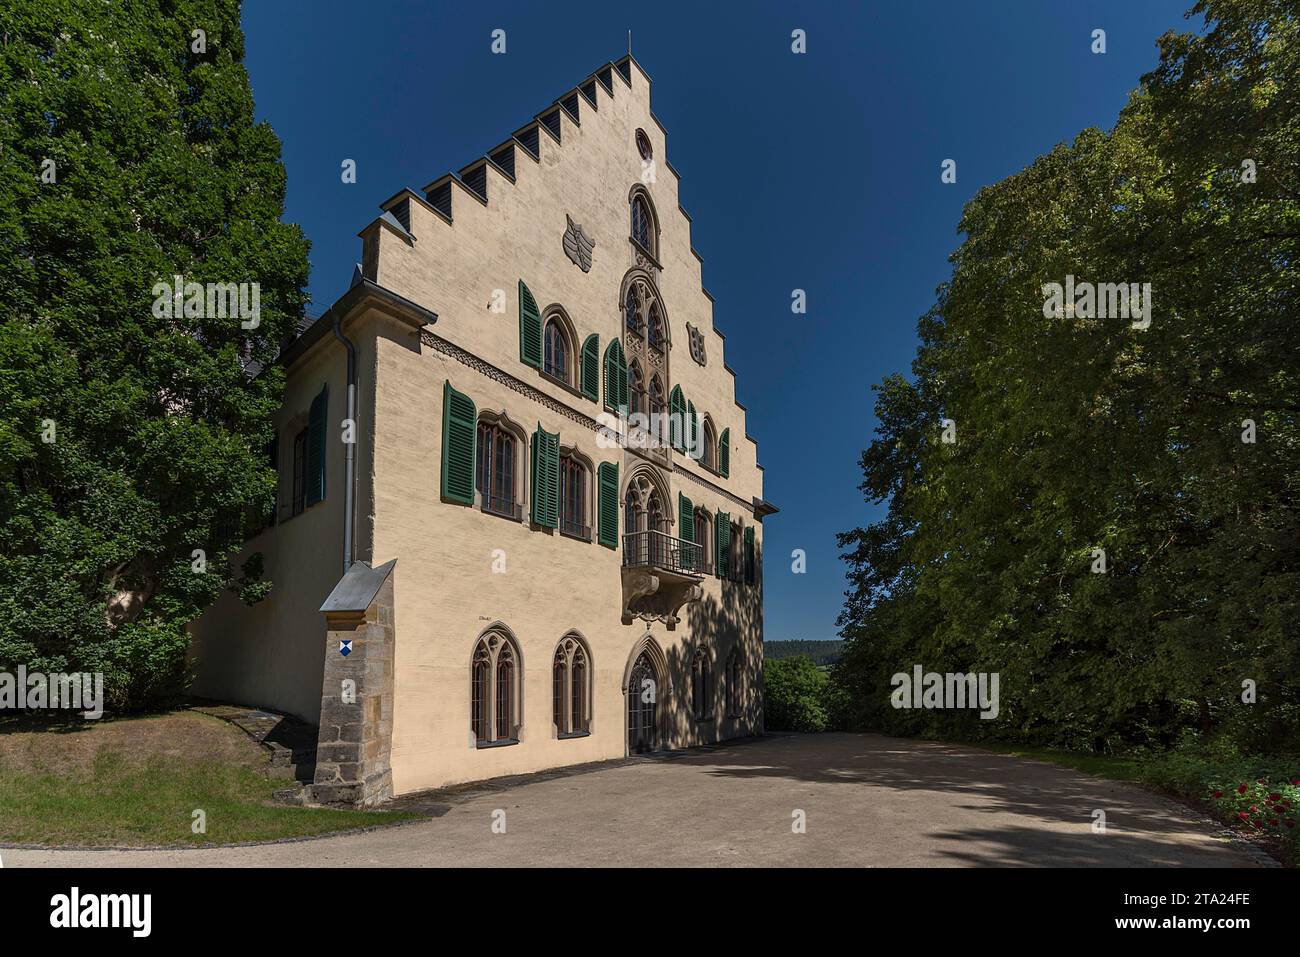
1075	433
158	170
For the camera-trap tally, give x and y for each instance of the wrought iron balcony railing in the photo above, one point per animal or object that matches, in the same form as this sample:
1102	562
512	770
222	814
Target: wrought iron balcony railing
660	550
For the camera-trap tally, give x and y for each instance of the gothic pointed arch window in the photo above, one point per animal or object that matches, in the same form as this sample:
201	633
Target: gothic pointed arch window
570	688
735	688
636	396
495	691
657	409
701	685
645	520
709	448
632	305
655	328
556	359
642	224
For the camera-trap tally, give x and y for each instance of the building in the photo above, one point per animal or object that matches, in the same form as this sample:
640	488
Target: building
518	434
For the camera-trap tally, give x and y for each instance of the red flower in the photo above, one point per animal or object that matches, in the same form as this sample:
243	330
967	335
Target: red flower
1242	789
1296	782
1253	809
1275	796
1218	794
1289	823
1243	815
1256	823
1272	822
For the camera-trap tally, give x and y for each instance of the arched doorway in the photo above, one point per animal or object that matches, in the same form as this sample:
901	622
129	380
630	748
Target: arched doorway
643	706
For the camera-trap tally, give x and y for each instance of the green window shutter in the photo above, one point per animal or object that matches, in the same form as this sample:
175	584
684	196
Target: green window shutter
615	378
749	555
676	416
692	431
724	453
686	519
317	425
459	428
607	520
591	367
546	478
722	535
530	328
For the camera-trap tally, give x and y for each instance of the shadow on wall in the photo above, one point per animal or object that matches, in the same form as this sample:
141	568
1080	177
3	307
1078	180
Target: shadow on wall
719	625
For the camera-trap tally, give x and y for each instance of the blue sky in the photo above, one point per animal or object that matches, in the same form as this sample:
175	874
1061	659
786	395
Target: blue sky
818	171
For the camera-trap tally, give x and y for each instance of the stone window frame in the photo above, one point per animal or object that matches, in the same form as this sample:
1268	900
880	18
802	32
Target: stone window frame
488	652
703	685
501	419
572	649
638	194
588	517
735	684
555	314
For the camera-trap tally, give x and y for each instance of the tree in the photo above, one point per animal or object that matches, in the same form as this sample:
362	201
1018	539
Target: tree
793	691
1078	434
133	434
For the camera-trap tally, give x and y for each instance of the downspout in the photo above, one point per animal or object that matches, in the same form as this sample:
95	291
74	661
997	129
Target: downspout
349	498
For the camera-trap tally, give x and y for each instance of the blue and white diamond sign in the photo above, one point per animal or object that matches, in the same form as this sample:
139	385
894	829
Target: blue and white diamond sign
345	647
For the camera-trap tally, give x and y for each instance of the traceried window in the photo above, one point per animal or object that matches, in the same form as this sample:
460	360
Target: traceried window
573	498
632	309
556	358
495	471
658	411
735	691
655	328
701	686
494	691
645	524
570	691
635	389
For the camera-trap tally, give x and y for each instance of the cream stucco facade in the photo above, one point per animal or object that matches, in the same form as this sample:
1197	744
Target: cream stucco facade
436	311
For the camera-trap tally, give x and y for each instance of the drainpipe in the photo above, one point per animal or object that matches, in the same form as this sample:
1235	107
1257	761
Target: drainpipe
349	500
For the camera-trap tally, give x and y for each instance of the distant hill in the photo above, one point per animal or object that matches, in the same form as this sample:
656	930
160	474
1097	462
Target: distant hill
821	652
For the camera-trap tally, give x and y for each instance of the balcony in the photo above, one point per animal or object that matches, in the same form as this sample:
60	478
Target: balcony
660	575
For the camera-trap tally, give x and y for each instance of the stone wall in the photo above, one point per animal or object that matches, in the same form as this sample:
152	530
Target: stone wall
356	729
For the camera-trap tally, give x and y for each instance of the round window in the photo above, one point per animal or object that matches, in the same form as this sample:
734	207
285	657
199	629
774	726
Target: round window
643	145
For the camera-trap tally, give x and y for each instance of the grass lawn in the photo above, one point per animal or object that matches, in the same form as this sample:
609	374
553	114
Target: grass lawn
137	781
1101	765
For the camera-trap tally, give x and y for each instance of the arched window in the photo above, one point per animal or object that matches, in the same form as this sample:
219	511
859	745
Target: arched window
642	225
635	389
573	498
709	456
734	689
704	539
494	475
655	328
571	696
644	517
555	362
701	686
658	411
495	704
632	309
